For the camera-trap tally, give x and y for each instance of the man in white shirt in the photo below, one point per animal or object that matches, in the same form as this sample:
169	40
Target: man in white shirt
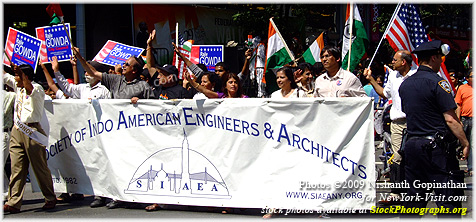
91	90
336	82
28	139
402	62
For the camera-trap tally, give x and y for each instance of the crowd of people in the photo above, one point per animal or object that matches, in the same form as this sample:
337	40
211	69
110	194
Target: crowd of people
137	79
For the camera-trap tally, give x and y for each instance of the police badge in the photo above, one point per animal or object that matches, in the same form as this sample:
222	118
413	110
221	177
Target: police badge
445	85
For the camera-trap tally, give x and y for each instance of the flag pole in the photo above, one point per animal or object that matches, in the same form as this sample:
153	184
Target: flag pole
67	34
282	39
298	58
351	23
397	9
177	44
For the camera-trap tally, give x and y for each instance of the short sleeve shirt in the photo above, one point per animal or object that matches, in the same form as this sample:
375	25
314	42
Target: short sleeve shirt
464	98
343	83
121	89
425	97
28	108
390	91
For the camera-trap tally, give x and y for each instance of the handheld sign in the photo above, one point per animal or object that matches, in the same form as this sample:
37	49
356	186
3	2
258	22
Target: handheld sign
21	48
55	42
113	53
208	55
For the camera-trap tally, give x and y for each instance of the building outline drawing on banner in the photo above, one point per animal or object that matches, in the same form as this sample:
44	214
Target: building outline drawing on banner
170	181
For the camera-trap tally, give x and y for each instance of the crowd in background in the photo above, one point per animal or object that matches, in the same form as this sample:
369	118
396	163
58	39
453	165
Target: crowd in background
139	78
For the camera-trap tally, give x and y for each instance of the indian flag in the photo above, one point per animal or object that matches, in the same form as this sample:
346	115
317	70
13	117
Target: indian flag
466	60
357	44
276	56
313	54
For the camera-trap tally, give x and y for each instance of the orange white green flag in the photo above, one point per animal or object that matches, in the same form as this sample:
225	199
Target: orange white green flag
357	42
277	55
313	53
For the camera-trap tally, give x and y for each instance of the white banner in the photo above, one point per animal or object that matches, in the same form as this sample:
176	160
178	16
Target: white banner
249	153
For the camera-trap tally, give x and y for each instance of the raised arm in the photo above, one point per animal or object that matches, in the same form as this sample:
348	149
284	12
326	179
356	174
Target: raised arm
26	82
74	65
50	81
208	93
90	70
150	60
68	89
185	82
187	61
246	67
118	69
377	87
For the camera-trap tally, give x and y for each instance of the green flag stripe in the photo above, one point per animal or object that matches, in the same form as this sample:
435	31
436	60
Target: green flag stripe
308	57
278	59
359	46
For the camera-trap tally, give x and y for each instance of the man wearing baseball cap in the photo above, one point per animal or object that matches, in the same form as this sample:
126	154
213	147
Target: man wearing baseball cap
164	78
166	84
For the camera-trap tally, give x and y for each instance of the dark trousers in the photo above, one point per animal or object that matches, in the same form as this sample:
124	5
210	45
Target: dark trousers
397	175
426	165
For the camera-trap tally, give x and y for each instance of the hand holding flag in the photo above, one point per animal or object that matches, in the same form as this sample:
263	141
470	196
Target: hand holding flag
183	49
277	55
406	32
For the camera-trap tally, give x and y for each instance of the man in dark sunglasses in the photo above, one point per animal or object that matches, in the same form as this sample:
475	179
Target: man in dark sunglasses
125	86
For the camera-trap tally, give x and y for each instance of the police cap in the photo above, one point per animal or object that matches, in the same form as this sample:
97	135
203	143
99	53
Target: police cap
432	48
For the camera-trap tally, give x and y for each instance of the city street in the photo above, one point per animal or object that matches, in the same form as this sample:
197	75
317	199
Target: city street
33	202
148	105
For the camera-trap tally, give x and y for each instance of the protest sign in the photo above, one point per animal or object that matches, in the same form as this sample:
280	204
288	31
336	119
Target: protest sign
21	48
290	153
113	53
55	42
208	55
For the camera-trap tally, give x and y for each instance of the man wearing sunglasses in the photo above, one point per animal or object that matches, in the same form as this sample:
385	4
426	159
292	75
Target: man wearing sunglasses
125	86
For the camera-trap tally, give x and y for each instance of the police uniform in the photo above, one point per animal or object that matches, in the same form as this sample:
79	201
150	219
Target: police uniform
425	97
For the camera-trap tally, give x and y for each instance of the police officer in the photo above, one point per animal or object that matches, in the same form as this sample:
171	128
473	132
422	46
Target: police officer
431	123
